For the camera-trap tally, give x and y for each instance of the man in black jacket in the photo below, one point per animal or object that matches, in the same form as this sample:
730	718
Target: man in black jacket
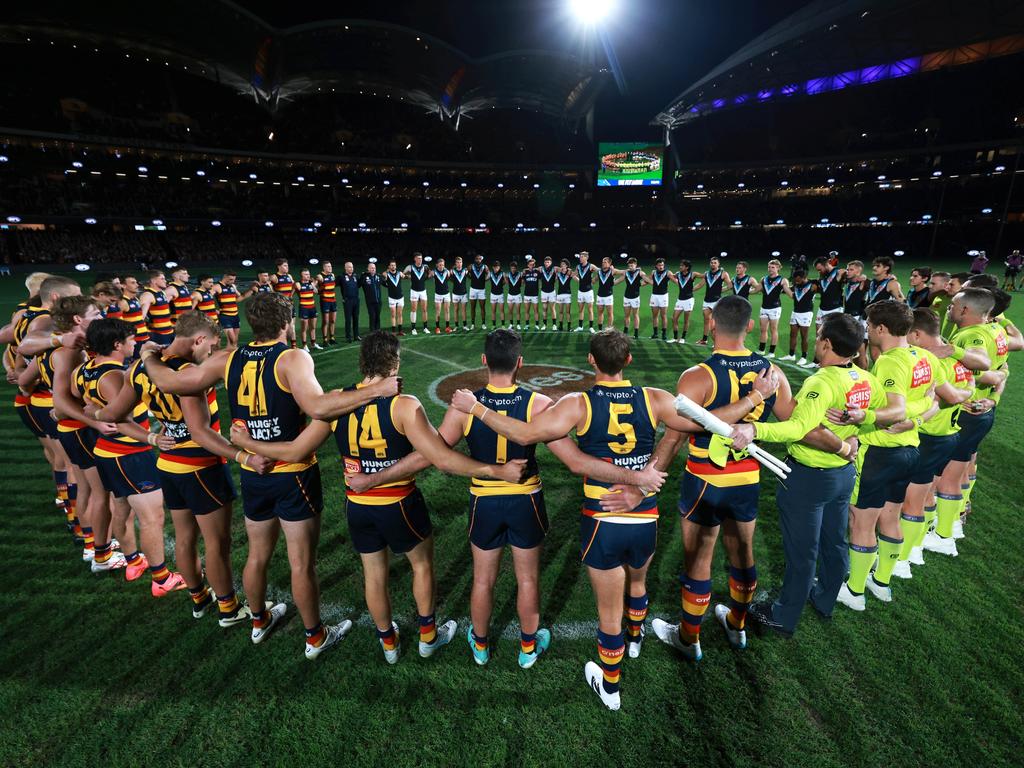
370	281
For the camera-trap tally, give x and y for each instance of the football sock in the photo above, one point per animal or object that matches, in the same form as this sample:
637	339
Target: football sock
160	573
134	558
600	326
200	594
71	508
861	560
948	509
437	325
742	584
888	554
971	479
610	649
479	641
703	338
428	629
228	605
261	619
911	525
675	333
696	596
761	346
527	642
90	541
388	638
636	333
316	635
771	349
425	328
103	552
636	612
662	334
60	480
929	519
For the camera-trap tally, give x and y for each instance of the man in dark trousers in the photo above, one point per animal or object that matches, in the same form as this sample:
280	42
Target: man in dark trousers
370	281
350	298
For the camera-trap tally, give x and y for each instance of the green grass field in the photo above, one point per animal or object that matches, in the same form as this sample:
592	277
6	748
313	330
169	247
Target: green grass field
93	671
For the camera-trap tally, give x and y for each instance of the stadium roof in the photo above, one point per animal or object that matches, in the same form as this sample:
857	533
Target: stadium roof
224	42
831	44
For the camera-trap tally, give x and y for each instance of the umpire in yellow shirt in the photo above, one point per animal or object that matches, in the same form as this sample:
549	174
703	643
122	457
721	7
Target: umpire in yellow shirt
814	501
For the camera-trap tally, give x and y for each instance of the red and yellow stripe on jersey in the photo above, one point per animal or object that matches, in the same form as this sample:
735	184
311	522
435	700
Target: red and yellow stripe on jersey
40	394
227	299
369	441
87	378
113	311
487	446
307	295
182	301
160	322
133	315
186	455
285	285
328	286
207	304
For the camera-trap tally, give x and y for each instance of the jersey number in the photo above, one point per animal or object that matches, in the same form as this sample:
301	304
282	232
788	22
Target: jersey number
165	404
369	434
251	393
619	429
735	382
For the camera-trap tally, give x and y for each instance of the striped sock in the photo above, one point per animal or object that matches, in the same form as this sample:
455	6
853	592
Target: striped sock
160	573
103	552
227	605
949	508
636	613
479	641
316	635
134	558
968	487
261	619
199	595
610	649
72	507
428	629
388	638
90	540
861	560
60	480
742	584
911	526
888	554
527	642
696	598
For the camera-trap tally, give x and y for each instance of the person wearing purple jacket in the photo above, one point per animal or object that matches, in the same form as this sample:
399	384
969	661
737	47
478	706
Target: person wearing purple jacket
979	263
1014	262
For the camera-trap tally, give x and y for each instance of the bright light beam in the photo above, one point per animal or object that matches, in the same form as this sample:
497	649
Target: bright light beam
592	12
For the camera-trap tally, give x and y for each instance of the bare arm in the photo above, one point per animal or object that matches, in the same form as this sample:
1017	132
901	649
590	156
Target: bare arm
64	401
558	421
302	447
895	290
952	395
974	358
299	378
196	411
120	406
29	376
190	380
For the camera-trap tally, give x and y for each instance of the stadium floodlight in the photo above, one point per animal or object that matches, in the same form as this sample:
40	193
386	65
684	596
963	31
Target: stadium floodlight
700	186
387	183
314	261
143	169
591	12
936	174
344	181
572	186
200	173
482	225
536	186
500	185
4	158
881	177
986	210
463	185
13	219
698	223
252	175
973	253
897	253
404	225
372	260
300	178
593	224
723	254
317	224
779	221
737	223
215	223
428	259
268	223
927	217
824	221
362	225
519	225
830	181
623	255
1000	168
158	222
556	225
426	183
90	220
246	262
76	164
776	254
171	264
741	185
82	267
783	183
872	219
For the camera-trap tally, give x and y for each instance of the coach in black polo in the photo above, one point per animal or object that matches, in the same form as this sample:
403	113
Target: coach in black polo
370	281
349	286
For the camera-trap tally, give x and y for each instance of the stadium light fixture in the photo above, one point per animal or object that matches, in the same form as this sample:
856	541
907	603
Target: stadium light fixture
556	225
783	183
215	223
317	224
881	177
779	221
76	164
519	225
444	225
936	174
82	267
426	183
246	262
13	219
572	186
300	178
872	219
143	169
344	181
500	185
90	220
698	223
4	158
404	225
252	175
1000	168
824	221
831	181
897	253
536	186
463	185
482	225
741	185
387	183
776	254
268	223
591	12
200	173
723	254
986	210
593	224
362	225
926	217
171	264
314	261
158	222
737	223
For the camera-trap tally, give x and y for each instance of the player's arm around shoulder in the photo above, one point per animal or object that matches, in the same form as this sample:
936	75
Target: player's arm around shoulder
570	412
784	401
190	380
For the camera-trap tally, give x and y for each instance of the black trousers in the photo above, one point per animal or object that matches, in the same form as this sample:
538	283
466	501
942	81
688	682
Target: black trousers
351	310
373	308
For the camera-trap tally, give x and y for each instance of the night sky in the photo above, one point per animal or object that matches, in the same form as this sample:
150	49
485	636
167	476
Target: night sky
663	45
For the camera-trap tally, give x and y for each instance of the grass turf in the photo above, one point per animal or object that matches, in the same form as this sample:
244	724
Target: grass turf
95	671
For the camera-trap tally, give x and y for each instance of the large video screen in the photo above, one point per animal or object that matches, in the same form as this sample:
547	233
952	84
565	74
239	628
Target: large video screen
631	164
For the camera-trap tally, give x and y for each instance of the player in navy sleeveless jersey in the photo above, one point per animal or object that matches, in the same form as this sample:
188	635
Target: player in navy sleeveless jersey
687	281
548	272
719	490
883	286
830	287
563	295
714	280
802	292
615	421
634	278
514	299
396	297
659	280
460	293
531	294
742	283
442	296
584	274
417	273
496	283
271	390
393	515
478	291
773	285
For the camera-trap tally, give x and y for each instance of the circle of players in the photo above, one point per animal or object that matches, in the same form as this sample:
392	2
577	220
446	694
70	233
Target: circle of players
881	462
